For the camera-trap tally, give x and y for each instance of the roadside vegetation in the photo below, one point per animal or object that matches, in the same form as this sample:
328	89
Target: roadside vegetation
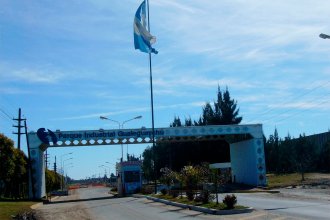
14	191
294	179
290	155
191	186
210	204
12	208
13	170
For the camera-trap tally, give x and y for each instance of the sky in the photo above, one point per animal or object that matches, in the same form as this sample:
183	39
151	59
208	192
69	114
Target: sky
65	63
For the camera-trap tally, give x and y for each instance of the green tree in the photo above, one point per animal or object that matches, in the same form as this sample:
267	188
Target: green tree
13	170
286	159
223	112
304	155
53	181
169	177
218	178
148	164
176	122
324	158
190	177
208	116
226	109
272	151
7	164
20	176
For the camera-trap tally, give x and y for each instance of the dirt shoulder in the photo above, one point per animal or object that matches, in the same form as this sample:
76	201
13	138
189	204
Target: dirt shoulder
315	186
63	208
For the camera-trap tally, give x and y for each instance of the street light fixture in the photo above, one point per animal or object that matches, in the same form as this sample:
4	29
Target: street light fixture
62	169
115	165
121	126
62	182
66	172
106	167
324	36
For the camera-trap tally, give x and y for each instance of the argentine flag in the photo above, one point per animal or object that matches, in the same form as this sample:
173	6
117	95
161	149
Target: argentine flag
142	38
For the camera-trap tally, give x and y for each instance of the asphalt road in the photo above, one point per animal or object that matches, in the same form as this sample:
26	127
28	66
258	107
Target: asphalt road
286	205
132	208
96	203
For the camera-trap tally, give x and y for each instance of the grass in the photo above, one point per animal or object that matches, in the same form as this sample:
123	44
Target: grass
210	205
9	208
284	180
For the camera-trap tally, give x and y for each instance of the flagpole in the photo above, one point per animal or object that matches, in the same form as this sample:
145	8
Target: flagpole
152	107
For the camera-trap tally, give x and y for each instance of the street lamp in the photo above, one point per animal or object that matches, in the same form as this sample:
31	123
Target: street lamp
62	183
324	36
115	165
66	172
107	167
121	126
62	172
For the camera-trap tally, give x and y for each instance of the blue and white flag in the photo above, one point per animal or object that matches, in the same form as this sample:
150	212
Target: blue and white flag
142	38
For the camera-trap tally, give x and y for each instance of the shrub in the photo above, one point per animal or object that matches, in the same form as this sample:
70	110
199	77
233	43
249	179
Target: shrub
114	189
163	191
147	190
190	195
174	193
230	201
205	197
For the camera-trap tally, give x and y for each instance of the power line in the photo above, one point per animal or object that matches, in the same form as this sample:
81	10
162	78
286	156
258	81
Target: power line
298	112
9	103
5	113
5	117
290	100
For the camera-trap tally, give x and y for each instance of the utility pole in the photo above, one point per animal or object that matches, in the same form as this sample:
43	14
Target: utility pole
55	166
46	159
30	162
19	126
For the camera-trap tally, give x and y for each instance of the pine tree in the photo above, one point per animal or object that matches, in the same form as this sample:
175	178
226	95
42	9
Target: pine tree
227	106
225	111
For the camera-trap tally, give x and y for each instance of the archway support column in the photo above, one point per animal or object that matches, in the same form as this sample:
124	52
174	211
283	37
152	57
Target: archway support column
248	162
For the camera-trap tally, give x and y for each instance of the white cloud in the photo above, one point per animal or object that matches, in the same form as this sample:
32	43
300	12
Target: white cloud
13	90
19	72
254	30
134	110
36	76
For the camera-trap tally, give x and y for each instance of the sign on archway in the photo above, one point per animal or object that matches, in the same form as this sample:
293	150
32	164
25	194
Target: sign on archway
246	146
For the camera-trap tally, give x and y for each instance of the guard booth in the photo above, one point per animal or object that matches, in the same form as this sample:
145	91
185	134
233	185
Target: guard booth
129	177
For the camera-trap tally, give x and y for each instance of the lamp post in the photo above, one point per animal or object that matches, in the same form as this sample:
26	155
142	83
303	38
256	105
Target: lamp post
121	126
62	181
324	36
115	166
62	172
66	172
106	167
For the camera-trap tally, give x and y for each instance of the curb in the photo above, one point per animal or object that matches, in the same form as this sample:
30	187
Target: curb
197	208
35	206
